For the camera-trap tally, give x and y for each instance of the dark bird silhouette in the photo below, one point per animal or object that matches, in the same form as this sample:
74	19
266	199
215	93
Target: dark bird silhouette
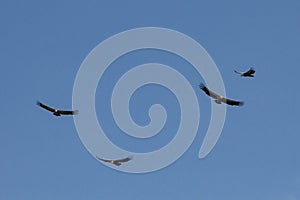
116	162
219	99
57	112
248	73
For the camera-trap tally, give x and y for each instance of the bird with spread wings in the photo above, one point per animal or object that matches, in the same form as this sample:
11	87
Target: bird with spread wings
218	98
57	112
116	162
248	73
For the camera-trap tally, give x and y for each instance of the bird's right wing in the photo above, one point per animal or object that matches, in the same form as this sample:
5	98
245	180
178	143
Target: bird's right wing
238	72
209	92
45	107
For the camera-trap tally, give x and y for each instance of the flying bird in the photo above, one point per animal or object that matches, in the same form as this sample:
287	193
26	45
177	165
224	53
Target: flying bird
248	73
116	162
219	99
57	112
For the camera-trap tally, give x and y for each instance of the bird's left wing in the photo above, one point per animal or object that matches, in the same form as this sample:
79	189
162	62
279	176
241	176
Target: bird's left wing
238	72
68	112
45	107
104	160
232	102
124	159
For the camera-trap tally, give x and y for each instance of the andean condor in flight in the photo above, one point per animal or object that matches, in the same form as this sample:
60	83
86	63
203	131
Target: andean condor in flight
57	112
116	162
219	99
248	73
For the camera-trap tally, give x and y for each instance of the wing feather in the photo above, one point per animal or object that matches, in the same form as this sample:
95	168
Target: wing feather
68	112
238	72
232	102
209	92
104	160
124	159
45	107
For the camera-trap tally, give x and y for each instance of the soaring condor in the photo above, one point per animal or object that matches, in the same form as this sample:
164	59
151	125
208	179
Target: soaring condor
57	112
248	73
219	99
116	162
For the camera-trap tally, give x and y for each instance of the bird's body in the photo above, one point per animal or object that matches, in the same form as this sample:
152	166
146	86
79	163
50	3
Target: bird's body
57	112
117	162
218	98
248	73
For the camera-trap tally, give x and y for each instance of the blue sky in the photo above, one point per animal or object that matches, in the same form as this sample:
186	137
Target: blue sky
42	47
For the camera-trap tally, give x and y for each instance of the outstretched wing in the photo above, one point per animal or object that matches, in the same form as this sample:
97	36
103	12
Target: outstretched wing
209	92
104	160
249	72
117	162
124	159
238	72
68	112
45	107
232	102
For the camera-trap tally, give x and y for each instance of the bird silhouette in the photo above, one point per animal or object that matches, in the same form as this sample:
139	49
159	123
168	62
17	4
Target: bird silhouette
57	112
248	73
117	162
218	98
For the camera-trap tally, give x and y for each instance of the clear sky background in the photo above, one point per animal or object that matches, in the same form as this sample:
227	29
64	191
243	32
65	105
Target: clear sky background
42	46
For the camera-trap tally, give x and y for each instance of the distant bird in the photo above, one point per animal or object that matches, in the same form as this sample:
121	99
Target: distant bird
219	99
57	112
116	162
248	73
